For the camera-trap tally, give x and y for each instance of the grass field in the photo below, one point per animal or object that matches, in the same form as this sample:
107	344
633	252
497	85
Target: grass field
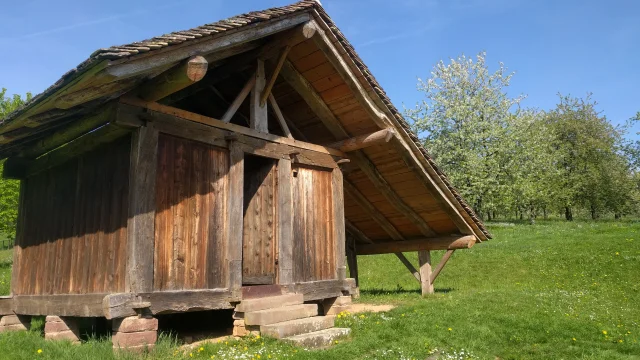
554	290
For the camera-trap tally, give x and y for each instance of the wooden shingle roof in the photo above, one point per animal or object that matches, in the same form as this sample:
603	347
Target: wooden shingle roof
204	32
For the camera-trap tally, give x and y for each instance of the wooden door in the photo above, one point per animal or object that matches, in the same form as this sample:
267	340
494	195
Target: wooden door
259	225
314	246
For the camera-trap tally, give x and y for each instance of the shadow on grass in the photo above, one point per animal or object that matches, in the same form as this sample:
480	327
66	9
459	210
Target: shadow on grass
400	291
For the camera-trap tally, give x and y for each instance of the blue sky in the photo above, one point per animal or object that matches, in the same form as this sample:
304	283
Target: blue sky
566	46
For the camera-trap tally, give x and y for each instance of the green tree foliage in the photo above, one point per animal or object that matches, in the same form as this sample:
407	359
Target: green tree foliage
9	189
511	160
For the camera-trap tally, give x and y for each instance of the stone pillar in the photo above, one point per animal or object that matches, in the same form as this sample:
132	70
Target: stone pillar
240	328
135	333
14	323
334	306
62	328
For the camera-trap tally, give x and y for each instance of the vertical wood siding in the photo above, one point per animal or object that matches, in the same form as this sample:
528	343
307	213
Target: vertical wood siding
191	190
74	218
259	227
314	255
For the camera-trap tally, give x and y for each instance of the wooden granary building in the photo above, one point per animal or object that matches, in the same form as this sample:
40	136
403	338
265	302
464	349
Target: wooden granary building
233	165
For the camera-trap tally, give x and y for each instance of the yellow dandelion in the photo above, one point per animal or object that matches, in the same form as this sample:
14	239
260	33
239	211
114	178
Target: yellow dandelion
574	339
620	341
604	332
362	316
617	253
336	341
201	349
191	354
213	356
39	351
258	356
257	336
245	348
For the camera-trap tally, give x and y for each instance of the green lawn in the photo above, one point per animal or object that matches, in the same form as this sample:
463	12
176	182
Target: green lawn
551	291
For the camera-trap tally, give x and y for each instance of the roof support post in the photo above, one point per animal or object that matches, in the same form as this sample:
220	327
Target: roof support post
258	113
339	222
234	216
285	223
142	206
424	259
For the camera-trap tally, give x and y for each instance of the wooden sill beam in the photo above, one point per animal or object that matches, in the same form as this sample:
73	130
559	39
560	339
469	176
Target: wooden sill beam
175	79
363	141
209	121
435	243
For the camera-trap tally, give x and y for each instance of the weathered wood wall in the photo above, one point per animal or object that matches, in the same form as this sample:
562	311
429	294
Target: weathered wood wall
73	226
260	219
191	190
314	254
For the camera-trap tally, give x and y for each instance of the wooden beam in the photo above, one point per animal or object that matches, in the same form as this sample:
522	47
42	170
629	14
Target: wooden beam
227	102
408	149
285	223
235	206
175	79
333	55
436	243
279	116
316	290
258	117
291	38
248	86
6	305
81	305
165	302
77	128
320	108
168	110
424	259
389	193
313	99
441	264
225	40
87	142
363	141
377	216
130	116
272	80
142	206
433	182
338	222
353	230
352	259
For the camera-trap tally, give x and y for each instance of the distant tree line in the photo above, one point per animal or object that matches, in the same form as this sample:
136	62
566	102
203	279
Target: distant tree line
510	161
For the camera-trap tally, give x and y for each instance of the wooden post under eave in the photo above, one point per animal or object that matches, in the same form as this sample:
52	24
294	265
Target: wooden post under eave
285	223
142	206
338	223
234	215
258	113
424	259
352	259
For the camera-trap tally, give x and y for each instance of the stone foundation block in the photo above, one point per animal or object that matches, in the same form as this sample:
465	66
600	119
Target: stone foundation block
135	324
134	339
61	328
14	323
241	329
336	309
135	333
336	305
